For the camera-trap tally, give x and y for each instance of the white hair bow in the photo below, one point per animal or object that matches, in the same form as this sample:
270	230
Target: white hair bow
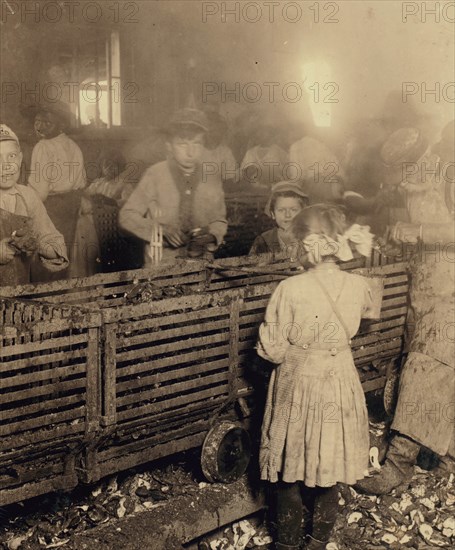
357	236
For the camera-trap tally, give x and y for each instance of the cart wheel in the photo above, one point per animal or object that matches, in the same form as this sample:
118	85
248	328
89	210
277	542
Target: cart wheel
226	452
390	395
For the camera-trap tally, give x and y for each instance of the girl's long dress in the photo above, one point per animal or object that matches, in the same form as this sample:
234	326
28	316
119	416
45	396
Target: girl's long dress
315	427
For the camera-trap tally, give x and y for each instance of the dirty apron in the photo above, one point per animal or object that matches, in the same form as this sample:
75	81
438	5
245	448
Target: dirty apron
17	271
63	210
426	401
315	427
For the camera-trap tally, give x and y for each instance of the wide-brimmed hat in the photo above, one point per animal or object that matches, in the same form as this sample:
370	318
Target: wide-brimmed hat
283	187
58	108
404	146
187	117
6	134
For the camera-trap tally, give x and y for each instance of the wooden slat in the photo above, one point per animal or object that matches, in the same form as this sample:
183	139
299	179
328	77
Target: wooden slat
193	398
44	406
177	332
51	418
394	291
376	350
172	347
37	436
52	373
36	360
44	390
133	325
162	362
169	375
392	302
62	342
161	417
93	381
171	389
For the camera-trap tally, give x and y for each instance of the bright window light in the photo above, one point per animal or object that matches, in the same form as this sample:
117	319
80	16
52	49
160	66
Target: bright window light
322	91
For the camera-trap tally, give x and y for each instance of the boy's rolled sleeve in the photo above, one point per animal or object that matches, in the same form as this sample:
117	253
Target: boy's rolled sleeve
132	217
51	245
217	214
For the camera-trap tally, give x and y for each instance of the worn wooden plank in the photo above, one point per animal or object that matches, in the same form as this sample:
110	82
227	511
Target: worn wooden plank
376	350
172	347
110	374
93	381
193	398
190	316
171	389
152	452
38	487
42	407
181	359
50	373
14	366
65	341
160	418
20	440
170	375
46	389
233	345
209	325
47	420
393	302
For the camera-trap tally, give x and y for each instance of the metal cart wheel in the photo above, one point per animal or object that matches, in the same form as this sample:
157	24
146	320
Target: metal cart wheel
226	452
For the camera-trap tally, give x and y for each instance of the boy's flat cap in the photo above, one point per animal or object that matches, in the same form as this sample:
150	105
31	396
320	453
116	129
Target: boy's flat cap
188	117
6	134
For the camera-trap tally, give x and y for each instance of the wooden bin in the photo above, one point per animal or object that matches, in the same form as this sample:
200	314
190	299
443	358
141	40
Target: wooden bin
155	375
50	395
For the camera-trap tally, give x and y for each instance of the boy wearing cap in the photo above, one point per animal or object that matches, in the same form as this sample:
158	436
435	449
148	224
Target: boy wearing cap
285	202
177	194
25	227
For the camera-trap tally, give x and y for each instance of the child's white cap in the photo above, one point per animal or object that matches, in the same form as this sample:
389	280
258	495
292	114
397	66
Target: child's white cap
6	134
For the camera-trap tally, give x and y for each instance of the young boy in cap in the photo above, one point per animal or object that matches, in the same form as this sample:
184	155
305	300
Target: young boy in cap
25	227
188	204
285	202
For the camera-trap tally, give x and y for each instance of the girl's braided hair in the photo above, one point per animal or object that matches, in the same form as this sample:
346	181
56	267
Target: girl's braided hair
322	219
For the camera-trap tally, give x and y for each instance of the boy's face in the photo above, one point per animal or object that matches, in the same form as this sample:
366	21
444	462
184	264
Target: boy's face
10	164
47	125
286	209
186	150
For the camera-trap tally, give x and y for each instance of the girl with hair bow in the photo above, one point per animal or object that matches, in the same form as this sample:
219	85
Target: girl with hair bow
315	427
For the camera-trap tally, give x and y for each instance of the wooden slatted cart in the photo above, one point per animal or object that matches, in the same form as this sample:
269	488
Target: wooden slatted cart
92	384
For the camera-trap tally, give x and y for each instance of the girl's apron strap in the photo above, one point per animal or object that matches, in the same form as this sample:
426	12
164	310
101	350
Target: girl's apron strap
333	303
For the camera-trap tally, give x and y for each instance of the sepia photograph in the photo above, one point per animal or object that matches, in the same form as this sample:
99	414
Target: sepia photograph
227	274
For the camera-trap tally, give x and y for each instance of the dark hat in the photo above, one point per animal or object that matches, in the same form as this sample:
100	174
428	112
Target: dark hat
404	145
283	187
58	108
188	117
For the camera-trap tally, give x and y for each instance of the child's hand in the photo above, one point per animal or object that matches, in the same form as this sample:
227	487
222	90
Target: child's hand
23	240
174	236
7	253
407	233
